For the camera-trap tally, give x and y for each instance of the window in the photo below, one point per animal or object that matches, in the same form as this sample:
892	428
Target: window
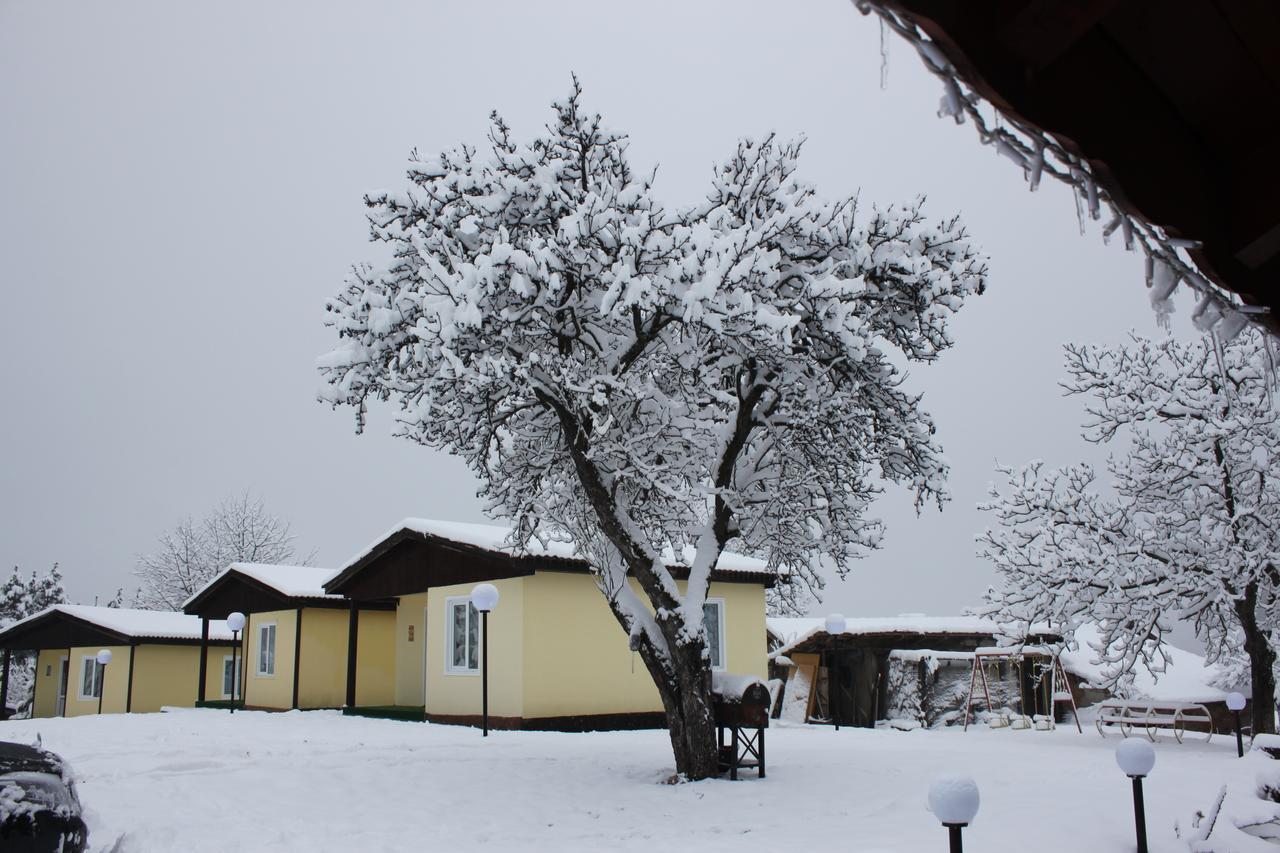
90	677
267	649
230	677
463	642
713	619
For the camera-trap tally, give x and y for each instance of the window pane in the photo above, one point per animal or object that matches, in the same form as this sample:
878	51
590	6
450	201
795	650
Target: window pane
459	635
711	618
473	637
228	674
86	677
271	649
97	678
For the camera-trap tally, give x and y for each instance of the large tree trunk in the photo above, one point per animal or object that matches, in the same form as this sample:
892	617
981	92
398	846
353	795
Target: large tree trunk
1262	662
685	688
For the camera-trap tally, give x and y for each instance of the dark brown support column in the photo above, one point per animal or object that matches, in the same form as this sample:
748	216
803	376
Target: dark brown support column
4	687
128	699
353	634
297	656
204	659
244	661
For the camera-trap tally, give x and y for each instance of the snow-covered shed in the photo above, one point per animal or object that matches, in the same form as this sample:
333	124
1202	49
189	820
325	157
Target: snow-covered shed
295	638
155	658
910	667
557	657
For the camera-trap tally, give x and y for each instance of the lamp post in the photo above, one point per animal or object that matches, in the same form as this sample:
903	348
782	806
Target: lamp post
104	658
484	597
236	623
954	802
1136	758
1235	704
835	627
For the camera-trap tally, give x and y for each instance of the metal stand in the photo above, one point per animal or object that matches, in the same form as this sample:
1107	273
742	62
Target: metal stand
1239	738
1139	814
102	684
957	845
235	667
484	666
833	681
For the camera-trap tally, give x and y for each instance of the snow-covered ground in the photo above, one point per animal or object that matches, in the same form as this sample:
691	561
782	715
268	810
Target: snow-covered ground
203	780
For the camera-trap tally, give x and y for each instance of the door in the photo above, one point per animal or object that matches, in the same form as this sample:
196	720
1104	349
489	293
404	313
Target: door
64	670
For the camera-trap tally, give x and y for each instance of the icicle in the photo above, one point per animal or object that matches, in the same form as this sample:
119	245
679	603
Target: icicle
1079	199
1111	227
1005	149
952	103
1164	280
1091	192
1232	324
1037	166
934	55
884	57
1127	230
1184	243
1207	313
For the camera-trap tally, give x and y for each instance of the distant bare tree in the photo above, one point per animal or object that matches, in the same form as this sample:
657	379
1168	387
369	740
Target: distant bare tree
238	530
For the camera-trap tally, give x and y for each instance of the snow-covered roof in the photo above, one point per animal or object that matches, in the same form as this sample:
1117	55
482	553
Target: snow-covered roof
1187	678
794	631
290	581
133	624
495	537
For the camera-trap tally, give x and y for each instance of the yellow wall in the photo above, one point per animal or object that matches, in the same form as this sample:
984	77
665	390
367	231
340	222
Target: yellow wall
408	653
162	675
276	690
577	660
115	685
322	681
48	672
213	672
459	694
375	658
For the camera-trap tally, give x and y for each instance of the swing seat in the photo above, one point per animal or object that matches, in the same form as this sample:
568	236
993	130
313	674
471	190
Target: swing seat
1020	723
998	721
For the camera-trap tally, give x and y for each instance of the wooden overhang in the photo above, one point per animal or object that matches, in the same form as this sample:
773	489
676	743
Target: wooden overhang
59	630
410	561
1175	103
939	641
235	591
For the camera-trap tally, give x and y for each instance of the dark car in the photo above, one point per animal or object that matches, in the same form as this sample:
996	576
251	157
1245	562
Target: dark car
39	809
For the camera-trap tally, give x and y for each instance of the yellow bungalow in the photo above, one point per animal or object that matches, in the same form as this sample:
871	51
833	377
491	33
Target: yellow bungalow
154	659
296	638
557	658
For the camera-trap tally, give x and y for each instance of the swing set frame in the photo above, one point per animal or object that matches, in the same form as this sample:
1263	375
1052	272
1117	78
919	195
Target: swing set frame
1059	687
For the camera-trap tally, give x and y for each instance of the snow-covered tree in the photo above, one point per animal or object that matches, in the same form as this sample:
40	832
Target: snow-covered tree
656	385
240	529
1187	526
19	599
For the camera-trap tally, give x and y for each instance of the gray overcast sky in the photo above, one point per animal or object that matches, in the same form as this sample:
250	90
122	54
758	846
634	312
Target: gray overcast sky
180	191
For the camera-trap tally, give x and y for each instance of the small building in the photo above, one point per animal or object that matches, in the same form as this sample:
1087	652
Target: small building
910	669
155	659
296	638
558	658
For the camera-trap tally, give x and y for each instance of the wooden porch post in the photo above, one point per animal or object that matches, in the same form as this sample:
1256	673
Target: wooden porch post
4	688
297	656
204	659
353	633
128	699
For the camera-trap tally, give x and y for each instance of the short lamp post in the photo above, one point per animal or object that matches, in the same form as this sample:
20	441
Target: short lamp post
236	623
954	802
484	597
1136	758
104	658
1235	704
835	627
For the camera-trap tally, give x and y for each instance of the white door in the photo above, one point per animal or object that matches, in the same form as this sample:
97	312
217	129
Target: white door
64	670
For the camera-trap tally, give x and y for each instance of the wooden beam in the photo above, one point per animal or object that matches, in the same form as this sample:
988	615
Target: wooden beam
204	659
128	699
297	655
4	687
353	635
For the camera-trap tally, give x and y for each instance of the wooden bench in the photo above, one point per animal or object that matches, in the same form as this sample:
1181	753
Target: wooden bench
1153	717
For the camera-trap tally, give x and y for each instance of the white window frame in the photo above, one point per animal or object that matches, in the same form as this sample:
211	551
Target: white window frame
258	671
230	660
449	668
97	678
722	648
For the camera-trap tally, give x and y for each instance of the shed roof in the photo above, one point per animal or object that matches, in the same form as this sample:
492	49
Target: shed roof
255	587
490	545
80	624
